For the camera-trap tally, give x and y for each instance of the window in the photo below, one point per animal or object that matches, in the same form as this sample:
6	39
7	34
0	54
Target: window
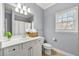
66	20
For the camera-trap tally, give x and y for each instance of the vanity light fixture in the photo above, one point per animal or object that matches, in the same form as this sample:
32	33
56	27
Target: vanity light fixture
17	9
19	5
22	9
29	10
25	13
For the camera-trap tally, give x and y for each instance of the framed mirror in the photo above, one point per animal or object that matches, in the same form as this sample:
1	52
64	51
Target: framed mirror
15	22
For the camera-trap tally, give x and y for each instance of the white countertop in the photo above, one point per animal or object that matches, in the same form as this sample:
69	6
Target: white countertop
17	40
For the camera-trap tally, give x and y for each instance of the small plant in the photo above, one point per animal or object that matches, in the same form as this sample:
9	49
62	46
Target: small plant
8	35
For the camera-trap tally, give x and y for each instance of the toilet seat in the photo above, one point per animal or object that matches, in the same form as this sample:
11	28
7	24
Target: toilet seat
47	46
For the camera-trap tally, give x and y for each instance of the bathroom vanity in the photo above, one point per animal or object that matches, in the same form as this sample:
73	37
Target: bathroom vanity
17	24
22	47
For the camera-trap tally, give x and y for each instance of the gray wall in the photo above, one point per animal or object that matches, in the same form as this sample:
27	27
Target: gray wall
38	16
66	41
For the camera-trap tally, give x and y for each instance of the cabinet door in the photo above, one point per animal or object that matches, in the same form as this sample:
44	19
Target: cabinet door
27	48
1	52
37	49
12	51
32	48
27	51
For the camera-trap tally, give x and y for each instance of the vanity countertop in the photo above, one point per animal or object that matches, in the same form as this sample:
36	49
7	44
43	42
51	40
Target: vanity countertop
17	40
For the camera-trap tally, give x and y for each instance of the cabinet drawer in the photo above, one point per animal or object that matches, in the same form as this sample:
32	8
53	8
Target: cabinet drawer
13	50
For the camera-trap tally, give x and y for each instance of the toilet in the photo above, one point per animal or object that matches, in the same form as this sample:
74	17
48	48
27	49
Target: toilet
47	48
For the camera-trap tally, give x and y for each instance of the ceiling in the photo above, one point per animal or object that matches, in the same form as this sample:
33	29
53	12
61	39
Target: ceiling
45	5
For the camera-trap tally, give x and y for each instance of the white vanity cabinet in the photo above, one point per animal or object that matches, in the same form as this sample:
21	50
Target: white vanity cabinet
23	47
12	51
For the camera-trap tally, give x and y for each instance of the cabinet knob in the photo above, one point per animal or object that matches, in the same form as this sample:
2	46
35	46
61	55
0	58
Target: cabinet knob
14	49
30	48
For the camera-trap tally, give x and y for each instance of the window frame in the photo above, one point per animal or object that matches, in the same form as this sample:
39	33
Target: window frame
75	21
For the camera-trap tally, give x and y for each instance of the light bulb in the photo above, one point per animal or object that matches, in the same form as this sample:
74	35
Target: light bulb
16	9
19	5
24	8
29	10
25	13
21	11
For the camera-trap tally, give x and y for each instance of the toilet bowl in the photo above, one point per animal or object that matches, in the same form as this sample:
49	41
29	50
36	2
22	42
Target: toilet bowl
47	48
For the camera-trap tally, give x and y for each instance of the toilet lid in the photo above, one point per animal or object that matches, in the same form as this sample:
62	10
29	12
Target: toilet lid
47	45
